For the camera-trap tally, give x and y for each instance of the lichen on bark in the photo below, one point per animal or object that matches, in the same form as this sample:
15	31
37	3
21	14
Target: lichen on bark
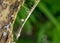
8	13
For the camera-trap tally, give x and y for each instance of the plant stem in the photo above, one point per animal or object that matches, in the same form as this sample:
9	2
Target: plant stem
29	13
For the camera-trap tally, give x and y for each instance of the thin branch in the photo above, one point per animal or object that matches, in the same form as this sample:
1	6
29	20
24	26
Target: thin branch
29	13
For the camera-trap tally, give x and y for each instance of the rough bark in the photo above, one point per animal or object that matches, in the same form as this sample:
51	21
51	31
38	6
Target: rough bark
8	13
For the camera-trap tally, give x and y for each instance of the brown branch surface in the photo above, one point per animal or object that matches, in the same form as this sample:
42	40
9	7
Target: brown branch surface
8	13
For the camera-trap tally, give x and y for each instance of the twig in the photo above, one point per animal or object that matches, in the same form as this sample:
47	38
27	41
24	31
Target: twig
29	13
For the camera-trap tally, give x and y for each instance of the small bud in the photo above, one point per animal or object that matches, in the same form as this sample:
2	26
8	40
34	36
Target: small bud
22	20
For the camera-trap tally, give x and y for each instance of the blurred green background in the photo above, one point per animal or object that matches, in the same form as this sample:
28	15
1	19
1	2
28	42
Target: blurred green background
43	26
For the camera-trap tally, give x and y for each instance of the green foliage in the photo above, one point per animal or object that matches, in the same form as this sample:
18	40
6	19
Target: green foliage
44	21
